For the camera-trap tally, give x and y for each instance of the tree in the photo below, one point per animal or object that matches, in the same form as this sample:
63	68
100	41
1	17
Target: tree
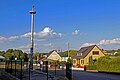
71	52
64	54
2	53
9	51
36	56
18	54
69	60
7	56
90	60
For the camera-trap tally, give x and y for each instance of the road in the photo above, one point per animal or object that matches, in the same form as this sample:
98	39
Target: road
80	75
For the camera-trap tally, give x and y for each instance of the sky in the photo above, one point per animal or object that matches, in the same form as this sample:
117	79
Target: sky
59	22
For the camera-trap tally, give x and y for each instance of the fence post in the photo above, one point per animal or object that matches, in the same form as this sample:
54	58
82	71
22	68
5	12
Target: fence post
11	67
69	71
5	66
15	68
29	71
41	63
55	68
46	67
21	69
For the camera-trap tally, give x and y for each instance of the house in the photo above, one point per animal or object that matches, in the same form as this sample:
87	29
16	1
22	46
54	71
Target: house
111	53
53	55
85	54
2	58
65	59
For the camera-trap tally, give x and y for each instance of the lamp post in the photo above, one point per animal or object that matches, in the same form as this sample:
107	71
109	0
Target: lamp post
32	12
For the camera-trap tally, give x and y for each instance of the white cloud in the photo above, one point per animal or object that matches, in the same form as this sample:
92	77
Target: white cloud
47	33
106	44
13	38
2	38
26	35
76	32
24	47
113	41
40	40
48	45
87	44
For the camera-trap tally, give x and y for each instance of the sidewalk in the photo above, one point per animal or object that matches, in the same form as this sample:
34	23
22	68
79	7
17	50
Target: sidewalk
91	70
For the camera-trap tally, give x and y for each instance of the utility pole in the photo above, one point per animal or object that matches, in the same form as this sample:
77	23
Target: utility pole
68	50
32	12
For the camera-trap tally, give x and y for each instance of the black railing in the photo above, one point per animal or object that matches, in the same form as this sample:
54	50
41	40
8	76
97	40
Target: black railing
14	67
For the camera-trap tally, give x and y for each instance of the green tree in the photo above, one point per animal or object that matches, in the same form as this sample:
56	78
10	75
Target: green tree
7	56
73	53
9	51
70	60
90	60
64	54
2	53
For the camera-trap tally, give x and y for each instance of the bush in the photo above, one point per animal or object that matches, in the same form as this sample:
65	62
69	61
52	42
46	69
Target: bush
34	61
91	67
106	64
63	63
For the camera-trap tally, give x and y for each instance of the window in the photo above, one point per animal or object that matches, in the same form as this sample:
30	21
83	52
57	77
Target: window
74	61
95	52
82	61
80	54
94	60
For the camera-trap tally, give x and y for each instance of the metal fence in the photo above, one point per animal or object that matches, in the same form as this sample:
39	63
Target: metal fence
15	68
20	69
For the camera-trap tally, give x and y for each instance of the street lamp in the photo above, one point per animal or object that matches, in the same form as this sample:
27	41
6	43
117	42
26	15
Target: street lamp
32	12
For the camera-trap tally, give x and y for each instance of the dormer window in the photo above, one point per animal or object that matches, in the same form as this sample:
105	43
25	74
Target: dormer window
80	54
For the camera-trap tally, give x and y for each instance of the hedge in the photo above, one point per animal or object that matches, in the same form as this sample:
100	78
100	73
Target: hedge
106	64
91	67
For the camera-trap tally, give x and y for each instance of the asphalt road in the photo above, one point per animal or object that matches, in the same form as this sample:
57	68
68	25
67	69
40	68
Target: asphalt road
79	75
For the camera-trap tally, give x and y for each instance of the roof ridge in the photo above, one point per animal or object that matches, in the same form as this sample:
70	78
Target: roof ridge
89	46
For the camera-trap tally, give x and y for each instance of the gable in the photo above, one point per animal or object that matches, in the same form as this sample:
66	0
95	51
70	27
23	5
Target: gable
84	51
95	49
54	56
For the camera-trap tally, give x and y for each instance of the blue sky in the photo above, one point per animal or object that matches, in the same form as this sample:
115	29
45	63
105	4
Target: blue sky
79	22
